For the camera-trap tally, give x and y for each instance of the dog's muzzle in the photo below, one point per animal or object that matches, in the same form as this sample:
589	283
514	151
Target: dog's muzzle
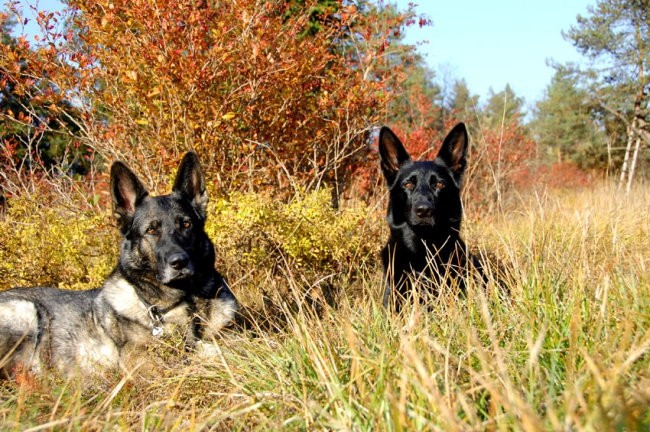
178	266
422	213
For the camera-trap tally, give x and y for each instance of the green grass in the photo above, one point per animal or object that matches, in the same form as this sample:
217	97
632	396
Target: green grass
568	349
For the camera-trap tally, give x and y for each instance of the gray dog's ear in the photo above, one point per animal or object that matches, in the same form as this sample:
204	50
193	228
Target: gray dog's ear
190	183
126	191
454	151
392	154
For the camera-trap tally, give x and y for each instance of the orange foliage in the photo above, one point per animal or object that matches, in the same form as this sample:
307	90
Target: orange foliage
558	175
498	156
35	117
262	100
271	93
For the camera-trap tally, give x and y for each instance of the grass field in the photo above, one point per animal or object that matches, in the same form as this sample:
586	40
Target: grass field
567	349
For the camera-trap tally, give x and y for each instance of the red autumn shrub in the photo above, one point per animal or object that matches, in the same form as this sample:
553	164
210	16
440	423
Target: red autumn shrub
273	94
558	175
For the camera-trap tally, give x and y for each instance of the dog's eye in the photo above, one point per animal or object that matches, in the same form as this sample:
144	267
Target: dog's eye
153	228
186	224
439	184
408	184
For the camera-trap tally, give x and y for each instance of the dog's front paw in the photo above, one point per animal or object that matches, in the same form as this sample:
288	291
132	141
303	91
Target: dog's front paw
207	350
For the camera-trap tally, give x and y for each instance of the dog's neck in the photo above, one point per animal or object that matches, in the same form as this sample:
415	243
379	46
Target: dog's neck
152	293
420	239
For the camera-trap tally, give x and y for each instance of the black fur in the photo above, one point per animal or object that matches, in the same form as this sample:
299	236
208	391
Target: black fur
424	215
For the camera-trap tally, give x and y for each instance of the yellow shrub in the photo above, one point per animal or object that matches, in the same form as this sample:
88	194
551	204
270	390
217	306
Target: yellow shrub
52	246
253	233
254	230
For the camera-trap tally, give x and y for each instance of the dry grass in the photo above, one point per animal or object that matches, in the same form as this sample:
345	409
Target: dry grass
569	349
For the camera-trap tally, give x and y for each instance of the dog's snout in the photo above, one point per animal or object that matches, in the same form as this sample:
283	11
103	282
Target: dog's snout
424	210
179	261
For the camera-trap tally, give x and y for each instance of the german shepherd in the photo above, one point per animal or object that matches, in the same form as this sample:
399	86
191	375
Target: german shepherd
424	215
165	276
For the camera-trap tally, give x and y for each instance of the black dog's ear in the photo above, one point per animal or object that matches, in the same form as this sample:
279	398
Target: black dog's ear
392	154
126	191
190	183
454	151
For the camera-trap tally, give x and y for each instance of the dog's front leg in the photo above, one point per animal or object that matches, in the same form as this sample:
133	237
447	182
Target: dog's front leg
195	342
192	335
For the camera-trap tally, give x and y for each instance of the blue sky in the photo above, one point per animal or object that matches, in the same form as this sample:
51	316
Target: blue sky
494	43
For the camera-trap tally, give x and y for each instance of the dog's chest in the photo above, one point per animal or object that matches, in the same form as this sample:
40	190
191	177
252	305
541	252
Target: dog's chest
144	320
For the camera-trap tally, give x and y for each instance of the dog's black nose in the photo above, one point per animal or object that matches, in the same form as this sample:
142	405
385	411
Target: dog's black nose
179	261
423	210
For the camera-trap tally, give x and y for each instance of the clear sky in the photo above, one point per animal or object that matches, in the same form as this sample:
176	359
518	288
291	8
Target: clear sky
494	43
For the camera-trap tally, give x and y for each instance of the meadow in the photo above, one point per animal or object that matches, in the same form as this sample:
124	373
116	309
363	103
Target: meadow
568	347
282	99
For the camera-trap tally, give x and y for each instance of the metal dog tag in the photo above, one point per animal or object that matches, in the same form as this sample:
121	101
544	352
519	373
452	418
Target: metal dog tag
156	321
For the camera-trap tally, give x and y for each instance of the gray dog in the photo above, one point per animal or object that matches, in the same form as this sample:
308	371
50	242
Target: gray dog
165	275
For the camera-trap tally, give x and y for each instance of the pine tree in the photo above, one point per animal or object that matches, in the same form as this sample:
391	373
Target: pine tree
503	107
615	37
463	103
567	125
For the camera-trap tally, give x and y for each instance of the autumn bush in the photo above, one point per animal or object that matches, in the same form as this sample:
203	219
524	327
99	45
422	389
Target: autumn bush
55	246
40	129
498	156
254	234
557	175
306	234
271	93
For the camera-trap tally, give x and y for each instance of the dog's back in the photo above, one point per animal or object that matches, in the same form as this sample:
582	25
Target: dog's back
424	215
42	325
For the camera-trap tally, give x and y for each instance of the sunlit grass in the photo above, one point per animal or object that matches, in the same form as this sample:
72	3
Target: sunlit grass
568	349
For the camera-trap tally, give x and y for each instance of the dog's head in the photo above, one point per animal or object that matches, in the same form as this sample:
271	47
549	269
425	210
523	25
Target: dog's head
424	194
164	236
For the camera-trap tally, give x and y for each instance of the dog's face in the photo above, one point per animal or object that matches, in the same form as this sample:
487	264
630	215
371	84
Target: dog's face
163	237
425	195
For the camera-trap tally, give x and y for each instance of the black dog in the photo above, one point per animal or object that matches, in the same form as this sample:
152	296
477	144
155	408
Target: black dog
424	215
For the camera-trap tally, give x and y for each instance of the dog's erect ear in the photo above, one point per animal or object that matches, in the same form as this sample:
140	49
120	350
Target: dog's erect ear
454	151
392	154
190	183
126	191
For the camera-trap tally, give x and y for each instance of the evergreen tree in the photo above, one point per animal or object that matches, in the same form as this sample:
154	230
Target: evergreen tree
615	37
503	107
463	102
567	125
